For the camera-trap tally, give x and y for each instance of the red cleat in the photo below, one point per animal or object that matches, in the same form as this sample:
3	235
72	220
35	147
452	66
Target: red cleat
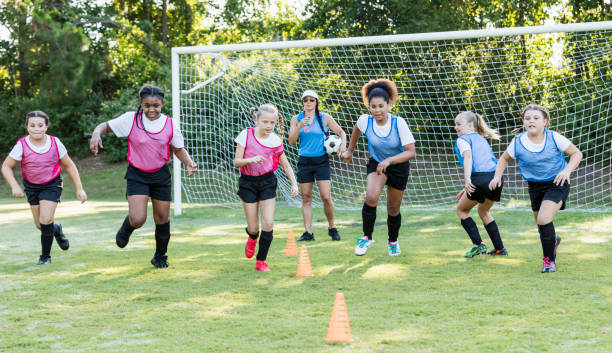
261	266
249	249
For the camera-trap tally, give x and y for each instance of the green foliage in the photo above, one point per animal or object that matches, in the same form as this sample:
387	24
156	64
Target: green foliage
81	62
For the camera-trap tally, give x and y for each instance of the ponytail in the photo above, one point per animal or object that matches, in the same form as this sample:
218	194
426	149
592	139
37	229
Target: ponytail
480	125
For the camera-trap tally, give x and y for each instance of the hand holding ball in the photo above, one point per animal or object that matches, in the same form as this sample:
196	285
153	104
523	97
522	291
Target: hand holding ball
332	144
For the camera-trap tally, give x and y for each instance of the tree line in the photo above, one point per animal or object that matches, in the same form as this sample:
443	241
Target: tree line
83	62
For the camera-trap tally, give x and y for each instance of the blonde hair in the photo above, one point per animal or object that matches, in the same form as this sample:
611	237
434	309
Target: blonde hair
480	125
381	87
268	109
540	108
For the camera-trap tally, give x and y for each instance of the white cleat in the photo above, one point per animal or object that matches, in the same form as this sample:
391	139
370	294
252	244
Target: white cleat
362	246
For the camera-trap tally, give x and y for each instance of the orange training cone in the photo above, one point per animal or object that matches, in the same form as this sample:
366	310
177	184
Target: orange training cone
339	328
291	248
304	269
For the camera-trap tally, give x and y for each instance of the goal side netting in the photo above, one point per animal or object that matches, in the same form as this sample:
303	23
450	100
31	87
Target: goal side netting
496	72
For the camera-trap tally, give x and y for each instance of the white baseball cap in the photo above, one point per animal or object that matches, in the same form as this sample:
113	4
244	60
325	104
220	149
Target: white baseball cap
310	93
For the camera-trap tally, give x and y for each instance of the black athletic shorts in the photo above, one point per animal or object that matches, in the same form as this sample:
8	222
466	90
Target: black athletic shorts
51	191
313	168
397	174
481	182
157	185
547	190
257	188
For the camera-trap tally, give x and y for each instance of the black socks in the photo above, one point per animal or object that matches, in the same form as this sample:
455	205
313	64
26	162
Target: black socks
264	244
472	230
123	234
393	226
162	238
547	237
46	238
252	236
368	216
493	232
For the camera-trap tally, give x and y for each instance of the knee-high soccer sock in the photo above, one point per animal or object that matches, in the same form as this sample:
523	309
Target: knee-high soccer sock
46	238
264	245
393	225
547	237
494	235
470	227
126	227
162	237
368	216
252	236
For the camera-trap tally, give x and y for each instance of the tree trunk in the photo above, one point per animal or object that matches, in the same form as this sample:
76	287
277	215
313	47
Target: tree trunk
165	22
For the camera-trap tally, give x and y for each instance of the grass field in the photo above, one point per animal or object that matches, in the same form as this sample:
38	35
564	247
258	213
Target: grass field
98	298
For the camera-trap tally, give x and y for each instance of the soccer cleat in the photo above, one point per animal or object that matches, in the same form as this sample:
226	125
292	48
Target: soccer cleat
548	266
306	237
249	249
394	249
62	241
159	261
362	246
44	260
476	250
122	238
494	252
333	233
261	266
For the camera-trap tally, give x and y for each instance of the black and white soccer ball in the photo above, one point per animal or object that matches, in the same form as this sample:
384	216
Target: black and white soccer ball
332	144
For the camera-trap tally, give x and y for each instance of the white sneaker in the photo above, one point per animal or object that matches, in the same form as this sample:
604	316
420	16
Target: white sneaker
362	246
394	249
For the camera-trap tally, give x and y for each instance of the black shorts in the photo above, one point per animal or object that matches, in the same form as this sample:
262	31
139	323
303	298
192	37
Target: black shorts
547	190
313	168
257	188
481	182
157	185
397	174
51	191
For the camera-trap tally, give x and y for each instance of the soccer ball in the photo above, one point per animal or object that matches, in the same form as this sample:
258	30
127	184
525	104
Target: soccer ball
332	144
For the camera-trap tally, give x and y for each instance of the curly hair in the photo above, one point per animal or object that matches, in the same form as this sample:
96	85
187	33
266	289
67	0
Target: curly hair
382	88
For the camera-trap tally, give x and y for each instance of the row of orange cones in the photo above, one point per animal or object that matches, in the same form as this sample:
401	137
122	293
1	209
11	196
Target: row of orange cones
339	328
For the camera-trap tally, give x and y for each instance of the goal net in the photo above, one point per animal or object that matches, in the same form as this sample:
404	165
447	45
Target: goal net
494	72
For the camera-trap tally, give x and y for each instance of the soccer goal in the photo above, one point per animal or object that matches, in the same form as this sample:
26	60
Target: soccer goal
494	72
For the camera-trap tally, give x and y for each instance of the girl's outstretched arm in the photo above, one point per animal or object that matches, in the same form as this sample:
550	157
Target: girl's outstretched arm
289	171
73	172
333	125
348	154
502	163
575	158
7	173
96	137
185	158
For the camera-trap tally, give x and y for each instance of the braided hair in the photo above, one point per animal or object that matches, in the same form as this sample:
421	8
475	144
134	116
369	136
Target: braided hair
147	91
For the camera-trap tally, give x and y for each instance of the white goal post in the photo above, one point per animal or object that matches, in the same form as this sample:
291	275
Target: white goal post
495	72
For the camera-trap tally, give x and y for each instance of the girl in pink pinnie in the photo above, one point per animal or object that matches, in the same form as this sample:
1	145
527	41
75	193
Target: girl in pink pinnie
259	151
151	138
42	157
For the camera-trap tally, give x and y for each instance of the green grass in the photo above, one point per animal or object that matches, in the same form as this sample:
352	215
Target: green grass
96	297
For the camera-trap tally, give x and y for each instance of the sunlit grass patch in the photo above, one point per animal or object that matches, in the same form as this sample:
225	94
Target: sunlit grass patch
96	297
